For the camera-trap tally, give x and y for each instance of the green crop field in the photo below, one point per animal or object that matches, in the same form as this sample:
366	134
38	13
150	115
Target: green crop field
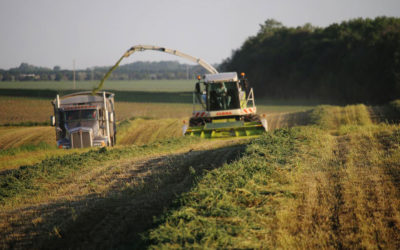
305	187
137	85
33	106
323	177
330	181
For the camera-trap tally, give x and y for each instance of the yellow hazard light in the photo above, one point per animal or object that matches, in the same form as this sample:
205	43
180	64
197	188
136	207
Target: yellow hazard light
242	74
198	77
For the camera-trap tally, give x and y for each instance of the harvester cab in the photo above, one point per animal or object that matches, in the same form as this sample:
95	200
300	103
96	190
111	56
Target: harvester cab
223	106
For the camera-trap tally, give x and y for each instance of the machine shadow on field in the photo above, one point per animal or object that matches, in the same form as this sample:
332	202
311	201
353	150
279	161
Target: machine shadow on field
118	217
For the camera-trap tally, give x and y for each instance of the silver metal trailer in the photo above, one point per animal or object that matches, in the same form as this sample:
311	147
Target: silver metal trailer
84	120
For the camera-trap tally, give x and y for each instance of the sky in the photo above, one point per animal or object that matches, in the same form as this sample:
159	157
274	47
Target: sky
97	32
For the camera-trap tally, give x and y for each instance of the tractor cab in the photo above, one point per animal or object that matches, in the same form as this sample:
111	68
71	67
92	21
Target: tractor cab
222	96
223	105
223	91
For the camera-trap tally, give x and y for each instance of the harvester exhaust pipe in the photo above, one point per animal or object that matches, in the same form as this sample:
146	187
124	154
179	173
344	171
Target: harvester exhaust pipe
58	101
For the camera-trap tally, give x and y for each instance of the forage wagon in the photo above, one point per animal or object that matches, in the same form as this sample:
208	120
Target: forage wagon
84	120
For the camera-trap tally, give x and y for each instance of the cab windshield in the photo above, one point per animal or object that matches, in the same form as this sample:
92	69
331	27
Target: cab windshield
83	114
223	96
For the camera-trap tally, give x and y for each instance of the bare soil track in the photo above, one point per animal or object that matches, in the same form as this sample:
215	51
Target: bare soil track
137	190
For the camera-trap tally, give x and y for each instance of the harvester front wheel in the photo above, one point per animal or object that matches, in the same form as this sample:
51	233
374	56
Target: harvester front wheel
197	122
252	118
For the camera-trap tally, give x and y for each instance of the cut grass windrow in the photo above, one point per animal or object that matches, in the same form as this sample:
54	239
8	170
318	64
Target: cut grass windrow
301	188
28	180
233	206
333	184
109	203
332	117
29	145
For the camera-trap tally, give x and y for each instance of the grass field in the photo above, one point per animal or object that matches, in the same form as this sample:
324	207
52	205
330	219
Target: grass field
25	145
331	183
137	85
101	180
19	110
324	177
31	144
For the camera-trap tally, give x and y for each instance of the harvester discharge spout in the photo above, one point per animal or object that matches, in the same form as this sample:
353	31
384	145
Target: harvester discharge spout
136	48
226	103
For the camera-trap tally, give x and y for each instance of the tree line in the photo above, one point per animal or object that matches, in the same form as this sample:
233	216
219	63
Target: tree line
131	71
354	61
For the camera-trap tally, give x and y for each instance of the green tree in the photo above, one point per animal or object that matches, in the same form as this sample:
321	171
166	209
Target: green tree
354	61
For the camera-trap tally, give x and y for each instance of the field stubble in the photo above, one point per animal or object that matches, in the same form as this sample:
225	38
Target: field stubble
309	187
346	198
109	203
24	145
333	184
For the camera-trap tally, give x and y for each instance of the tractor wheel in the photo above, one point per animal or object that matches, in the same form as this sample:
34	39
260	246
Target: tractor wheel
196	122
252	118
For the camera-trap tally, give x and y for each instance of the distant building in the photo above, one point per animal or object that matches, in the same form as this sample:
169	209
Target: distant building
28	77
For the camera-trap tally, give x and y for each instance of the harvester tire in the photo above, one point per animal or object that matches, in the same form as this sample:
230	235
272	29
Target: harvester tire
252	118
196	122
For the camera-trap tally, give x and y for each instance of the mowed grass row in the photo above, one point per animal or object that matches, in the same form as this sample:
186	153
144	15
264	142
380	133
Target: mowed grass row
315	187
24	193
292	188
25	140
29	145
140	131
109	202
19	184
21	145
89	199
26	145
